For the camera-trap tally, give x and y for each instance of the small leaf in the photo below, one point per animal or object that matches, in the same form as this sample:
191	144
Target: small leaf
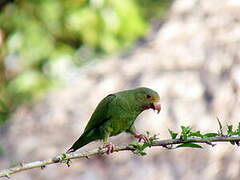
64	156
238	127
210	135
146	144
153	138
141	147
142	153
196	134
185	132
173	134
186	129
192	145
232	142
229	130
135	144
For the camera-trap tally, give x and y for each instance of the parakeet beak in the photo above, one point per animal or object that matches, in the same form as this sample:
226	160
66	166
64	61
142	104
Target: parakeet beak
156	106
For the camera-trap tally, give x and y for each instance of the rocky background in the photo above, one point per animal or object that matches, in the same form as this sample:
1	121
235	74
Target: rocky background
192	60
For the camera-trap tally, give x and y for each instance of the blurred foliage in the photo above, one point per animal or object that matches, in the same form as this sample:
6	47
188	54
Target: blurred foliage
43	40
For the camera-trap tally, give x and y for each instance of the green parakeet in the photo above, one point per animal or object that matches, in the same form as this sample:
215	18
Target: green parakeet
115	114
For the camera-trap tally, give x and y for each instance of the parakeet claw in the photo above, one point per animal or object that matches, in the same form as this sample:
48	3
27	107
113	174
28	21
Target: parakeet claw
142	137
110	148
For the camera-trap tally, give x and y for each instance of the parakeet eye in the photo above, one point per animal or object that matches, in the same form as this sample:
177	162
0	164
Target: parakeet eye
148	96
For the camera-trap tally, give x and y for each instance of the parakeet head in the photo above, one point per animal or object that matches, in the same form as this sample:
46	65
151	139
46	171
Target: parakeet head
148	99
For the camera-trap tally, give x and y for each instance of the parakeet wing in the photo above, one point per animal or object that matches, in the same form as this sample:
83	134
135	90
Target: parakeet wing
101	114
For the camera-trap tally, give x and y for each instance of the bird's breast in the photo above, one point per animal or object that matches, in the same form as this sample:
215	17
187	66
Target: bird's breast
119	125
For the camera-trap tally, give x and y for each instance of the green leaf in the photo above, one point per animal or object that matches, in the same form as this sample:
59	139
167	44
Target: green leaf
229	130
195	134
153	138
186	129
210	135
146	144
139	146
238	127
135	144
185	132
173	134
142	153
191	145
232	142
64	156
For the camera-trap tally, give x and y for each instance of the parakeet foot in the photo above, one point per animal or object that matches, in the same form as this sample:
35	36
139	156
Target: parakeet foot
110	147
142	137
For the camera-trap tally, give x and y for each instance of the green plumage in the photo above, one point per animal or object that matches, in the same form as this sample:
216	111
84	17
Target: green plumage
116	113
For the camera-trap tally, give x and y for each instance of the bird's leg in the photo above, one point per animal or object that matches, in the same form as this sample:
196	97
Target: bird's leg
110	146
140	137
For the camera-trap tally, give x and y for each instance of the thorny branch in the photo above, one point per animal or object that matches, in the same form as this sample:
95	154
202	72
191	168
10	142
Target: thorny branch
134	147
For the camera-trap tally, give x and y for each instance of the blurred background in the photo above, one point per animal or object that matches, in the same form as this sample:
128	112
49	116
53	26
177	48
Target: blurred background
58	59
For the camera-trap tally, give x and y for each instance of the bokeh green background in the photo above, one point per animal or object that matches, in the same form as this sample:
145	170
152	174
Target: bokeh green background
42	39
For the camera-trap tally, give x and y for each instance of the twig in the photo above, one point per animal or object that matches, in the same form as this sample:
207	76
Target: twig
65	158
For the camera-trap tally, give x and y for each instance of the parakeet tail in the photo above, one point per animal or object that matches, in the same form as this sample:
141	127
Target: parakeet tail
82	141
